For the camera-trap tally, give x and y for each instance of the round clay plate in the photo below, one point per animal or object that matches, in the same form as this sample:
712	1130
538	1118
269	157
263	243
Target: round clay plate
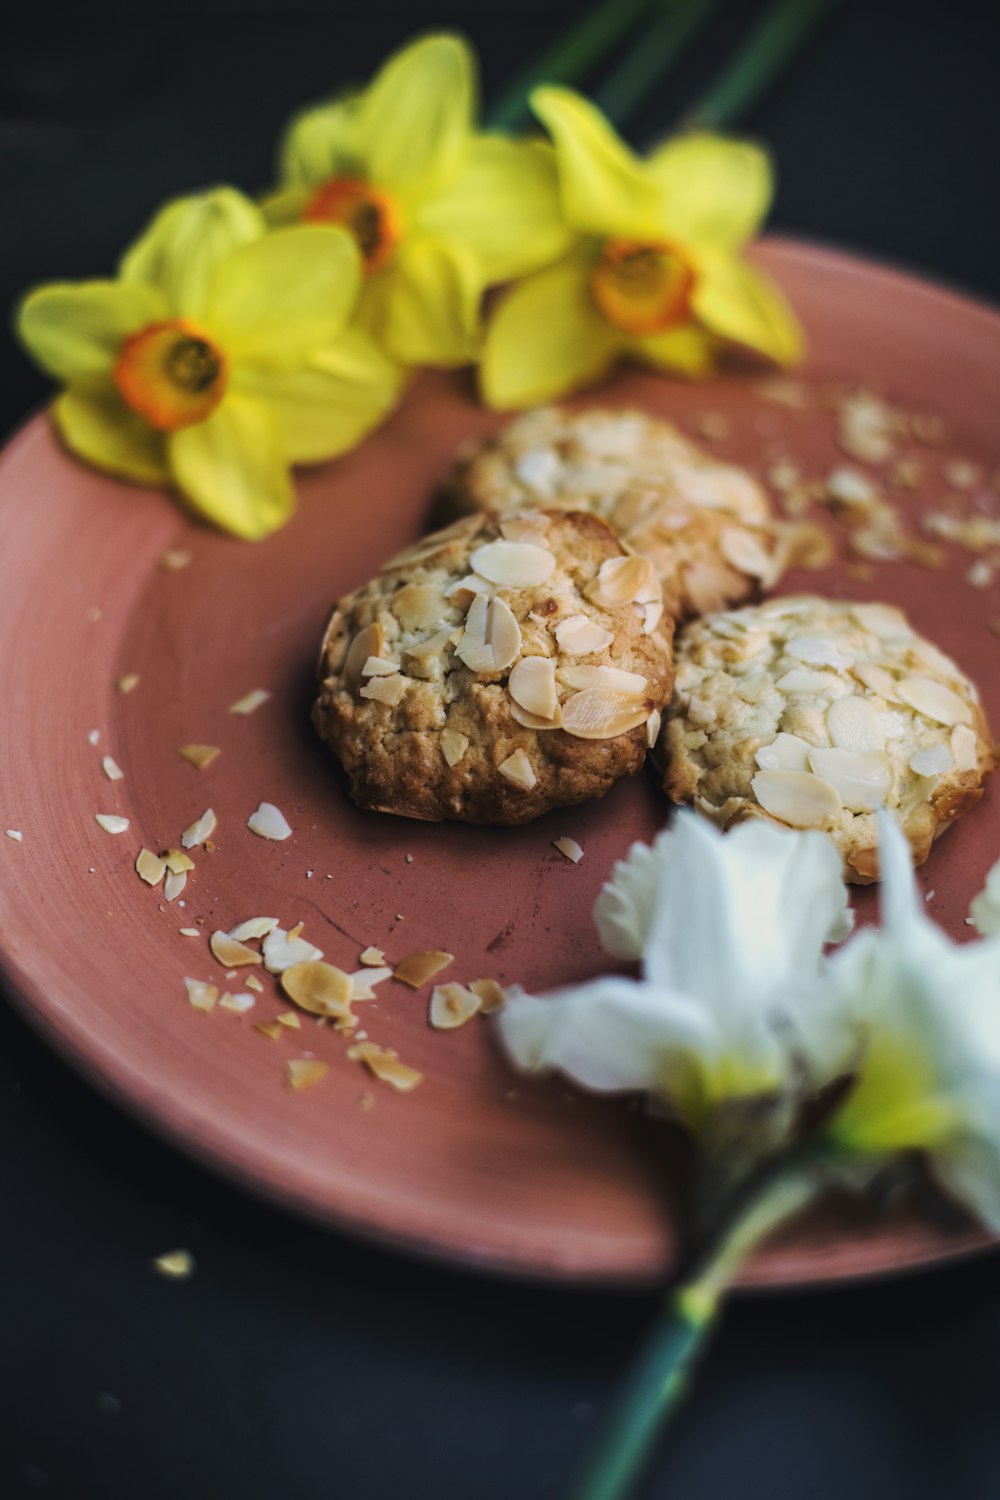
474	1165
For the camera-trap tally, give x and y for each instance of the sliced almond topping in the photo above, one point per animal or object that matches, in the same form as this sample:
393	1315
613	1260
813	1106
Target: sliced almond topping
250	702
150	867
269	823
200	830
883	620
862	778
128	683
379	666
385	1065
854	724
368	642
373	957
802	680
490	995
624	580
239	1004
935	760
518	770
112	770
418	605
319	988
111	822
532	684
533	721
230	953
578	635
173	885
386	689
745	552
787	752
464	590
608	679
876	678
570	848
253	927
817	651
652	614
503	633
964	747
305	1072
431	647
453	745
419	967
429	546
598	715
202	996
479	659
451	1006
797	798
199	756
516	565
934	700
281	951
653	728
473	638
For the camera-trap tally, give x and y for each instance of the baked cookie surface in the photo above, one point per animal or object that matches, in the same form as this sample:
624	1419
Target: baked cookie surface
495	670
706	526
815	713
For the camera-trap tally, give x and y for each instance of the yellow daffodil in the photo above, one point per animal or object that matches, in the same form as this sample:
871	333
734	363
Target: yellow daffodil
219	356
655	271
439	211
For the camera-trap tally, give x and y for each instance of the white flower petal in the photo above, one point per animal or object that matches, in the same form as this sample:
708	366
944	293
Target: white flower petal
623	911
985	908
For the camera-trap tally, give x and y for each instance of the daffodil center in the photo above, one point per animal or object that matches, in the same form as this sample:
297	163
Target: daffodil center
641	288
171	374
371	215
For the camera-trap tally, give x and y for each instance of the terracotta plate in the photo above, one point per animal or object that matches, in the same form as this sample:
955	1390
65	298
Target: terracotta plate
474	1165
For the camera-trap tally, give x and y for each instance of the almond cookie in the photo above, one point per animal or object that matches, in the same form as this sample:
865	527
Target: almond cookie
706	526
815	713
497	669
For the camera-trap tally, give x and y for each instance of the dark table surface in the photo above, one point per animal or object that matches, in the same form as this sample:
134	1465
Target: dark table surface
294	1362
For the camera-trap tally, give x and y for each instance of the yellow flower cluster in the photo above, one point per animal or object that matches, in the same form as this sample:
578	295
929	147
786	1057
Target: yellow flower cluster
241	338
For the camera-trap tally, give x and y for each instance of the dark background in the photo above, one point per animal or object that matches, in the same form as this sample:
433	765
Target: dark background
296	1363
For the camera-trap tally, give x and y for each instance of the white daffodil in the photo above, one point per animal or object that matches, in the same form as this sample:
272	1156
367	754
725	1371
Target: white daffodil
731	930
927	1018
985	908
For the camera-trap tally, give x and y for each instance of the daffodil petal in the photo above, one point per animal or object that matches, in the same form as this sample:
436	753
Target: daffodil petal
739	302
75	330
605	188
329	405
504	206
546	339
186	241
416	115
233	468
685	350
424	309
715	191
279	300
285	206
320	143
101	430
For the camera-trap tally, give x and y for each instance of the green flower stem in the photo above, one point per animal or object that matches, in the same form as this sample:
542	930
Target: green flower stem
779	34
659	1377
651	55
567	59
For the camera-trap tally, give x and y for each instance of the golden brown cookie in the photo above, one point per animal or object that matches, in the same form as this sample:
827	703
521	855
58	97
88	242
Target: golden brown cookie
497	669
706	526
815	713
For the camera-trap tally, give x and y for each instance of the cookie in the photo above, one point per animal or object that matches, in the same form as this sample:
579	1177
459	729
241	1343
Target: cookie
706	526
815	713
497	669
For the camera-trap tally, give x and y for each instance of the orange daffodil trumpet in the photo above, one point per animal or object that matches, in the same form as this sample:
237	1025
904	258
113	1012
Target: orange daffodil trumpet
654	272
439	211
220	355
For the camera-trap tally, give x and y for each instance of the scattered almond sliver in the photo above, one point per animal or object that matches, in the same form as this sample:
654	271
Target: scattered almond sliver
452	1005
253	927
363	982
490	995
239	1003
199	756
173	885
190	932
200	830
373	957
150	867
320	989
128	682
268	822
289	1020
230	953
570	848
15	834
385	1065
112	769
250	702
252	982
270	1029
305	1072
281	951
176	1264
110	822
419	967
201	996
175	559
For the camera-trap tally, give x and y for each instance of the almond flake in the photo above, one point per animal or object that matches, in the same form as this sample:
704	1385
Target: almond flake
418	606
190	932
201	996
578	635
128	682
295	932
534	721
934	700
624	580
281	951
253	983
532	684
175	559
230	953
110	822
379	666
451	1006
15	834
319	988
173	885
517	565
877	679
854	724
802	680
253	927
594	714
745	551
797	798
178	862
490	995
270	1029
608	679
289	1020
529	528
964	747
305	1072
175	1264
373	957
503	633
653	727
363	982
112	770
817	651
201	829
199	756
419	967
787	752
570	848
150	867
518	770
93	736
862	779
388	690
385	1065
269	823
239	1004
250	702
453	746
431	647
935	760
